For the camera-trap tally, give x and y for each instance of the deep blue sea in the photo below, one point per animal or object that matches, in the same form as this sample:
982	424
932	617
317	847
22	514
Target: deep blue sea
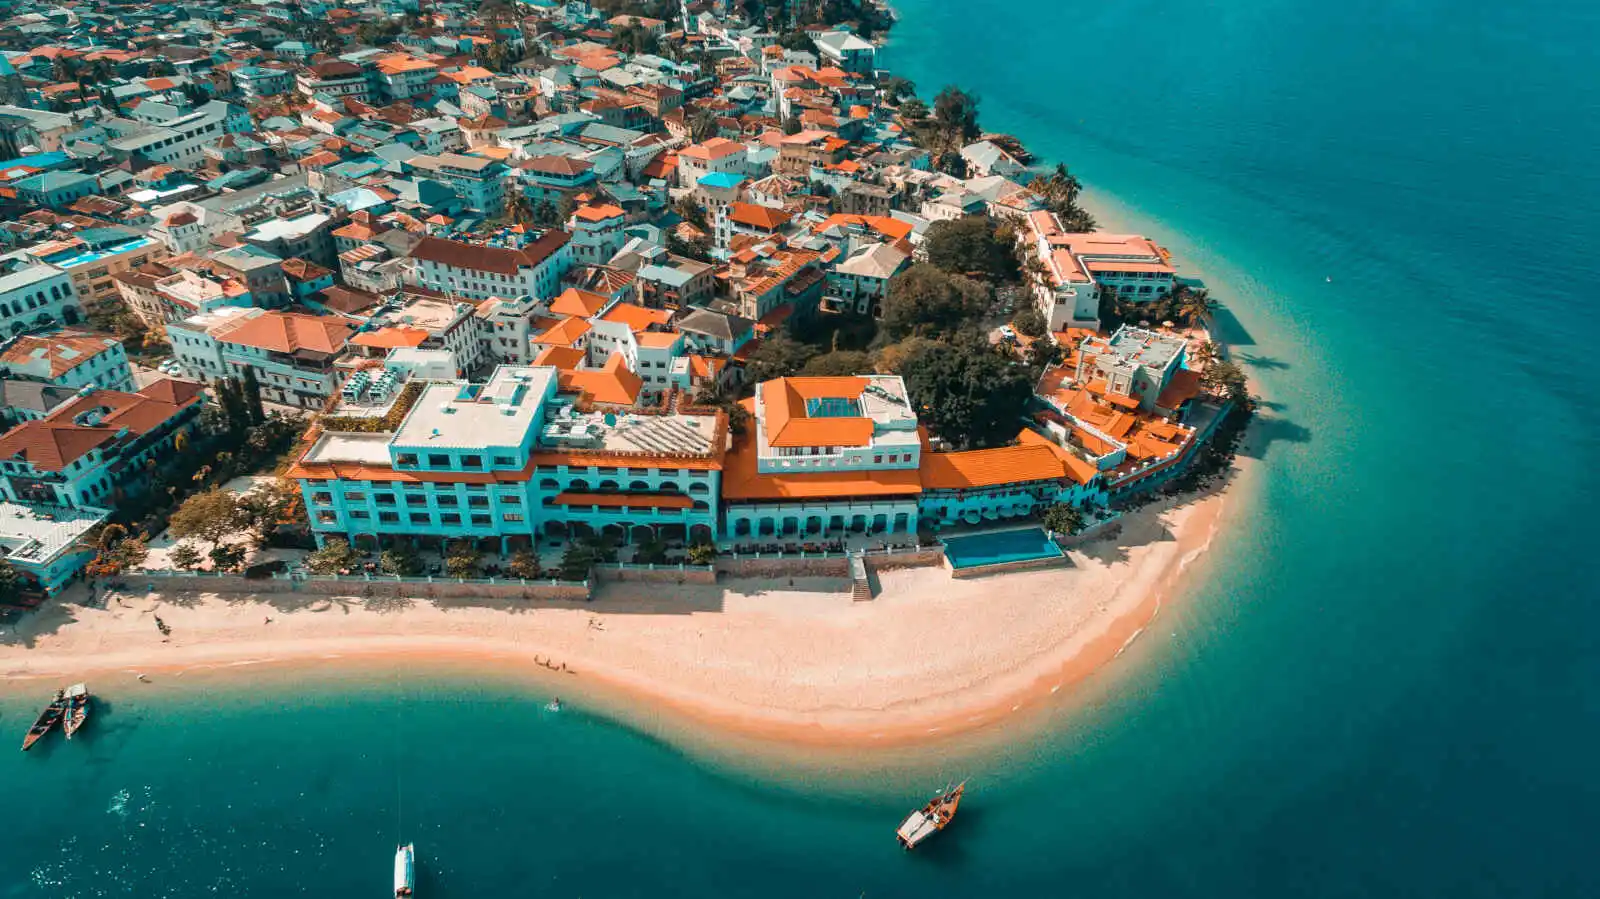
1388	684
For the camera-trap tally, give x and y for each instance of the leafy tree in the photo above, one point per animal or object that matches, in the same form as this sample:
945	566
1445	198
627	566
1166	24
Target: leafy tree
250	393
691	212
795	40
699	250
791	125
913	110
1229	379
11	584
702	554
1193	304
579	559
227	556
778	356
185	557
1030	322
1206	353
401	559
970	246
265	507
924	301
651	552
890	359
123	554
336	555
968	394
235	412
703	126
839	363
896	89
1064	518
956	113
1060	191
209	516
524	563
462	558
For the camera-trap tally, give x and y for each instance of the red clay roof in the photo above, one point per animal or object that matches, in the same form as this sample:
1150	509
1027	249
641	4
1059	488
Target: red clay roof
501	260
285	332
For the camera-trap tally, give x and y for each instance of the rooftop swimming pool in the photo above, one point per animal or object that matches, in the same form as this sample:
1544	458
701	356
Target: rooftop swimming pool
1000	547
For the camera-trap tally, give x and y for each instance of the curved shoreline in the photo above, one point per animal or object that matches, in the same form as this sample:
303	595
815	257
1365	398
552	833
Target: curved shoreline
801	666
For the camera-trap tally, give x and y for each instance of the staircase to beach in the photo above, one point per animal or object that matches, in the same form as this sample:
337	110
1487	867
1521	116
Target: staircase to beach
860	590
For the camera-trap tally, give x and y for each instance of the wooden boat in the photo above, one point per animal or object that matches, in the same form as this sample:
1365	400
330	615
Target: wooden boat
405	871
47	720
77	711
931	818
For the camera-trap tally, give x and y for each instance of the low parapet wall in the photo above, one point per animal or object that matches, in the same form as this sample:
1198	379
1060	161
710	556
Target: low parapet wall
334	585
658	574
786	565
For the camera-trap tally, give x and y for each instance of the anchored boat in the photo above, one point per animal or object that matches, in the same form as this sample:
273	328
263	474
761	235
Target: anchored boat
77	711
47	720
405	871
931	818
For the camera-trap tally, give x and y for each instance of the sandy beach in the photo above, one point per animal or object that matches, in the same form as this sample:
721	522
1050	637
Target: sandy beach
792	662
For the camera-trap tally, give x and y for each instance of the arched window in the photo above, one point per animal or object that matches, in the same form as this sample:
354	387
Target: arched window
608	487
668	487
638	485
699	487
549	484
55	291
577	485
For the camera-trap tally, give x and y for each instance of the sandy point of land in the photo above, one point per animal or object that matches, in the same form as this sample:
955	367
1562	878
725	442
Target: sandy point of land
793	662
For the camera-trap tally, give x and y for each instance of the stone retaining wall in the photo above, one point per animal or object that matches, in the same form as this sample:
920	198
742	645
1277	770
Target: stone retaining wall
1011	567
660	574
921	558
781	565
408	588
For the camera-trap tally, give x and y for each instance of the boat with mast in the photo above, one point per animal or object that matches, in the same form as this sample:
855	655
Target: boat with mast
47	720
77	711
931	818
405	871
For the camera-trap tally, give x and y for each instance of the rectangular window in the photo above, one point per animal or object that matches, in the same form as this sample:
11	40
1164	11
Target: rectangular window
327	517
355	497
406	459
323	499
471	461
478	502
389	517
511	499
449	518
505	460
383	499
446	499
513	517
421	518
438	460
480	521
416	500
360	513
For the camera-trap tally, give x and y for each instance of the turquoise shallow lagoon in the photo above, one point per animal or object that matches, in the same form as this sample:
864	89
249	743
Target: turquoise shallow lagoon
1388	684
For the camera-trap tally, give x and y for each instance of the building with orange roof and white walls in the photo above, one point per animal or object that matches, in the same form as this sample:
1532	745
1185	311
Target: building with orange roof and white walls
597	234
70	359
825	456
1075	267
293	354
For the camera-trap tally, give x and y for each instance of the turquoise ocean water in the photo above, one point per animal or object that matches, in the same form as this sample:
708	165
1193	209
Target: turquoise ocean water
1389	683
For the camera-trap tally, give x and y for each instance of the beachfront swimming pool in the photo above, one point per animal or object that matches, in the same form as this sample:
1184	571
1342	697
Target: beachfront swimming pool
1029	544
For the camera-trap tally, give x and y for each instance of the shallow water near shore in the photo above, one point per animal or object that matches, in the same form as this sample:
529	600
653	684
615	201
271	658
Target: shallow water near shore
1386	684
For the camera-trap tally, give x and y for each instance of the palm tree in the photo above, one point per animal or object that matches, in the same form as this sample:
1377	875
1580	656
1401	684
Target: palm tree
1193	305
1206	353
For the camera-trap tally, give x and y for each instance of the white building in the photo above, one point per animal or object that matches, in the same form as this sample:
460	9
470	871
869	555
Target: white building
478	271
1078	265
35	293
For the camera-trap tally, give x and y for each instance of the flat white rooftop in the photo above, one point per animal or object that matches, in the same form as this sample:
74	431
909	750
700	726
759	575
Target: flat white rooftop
457	415
359	449
35	534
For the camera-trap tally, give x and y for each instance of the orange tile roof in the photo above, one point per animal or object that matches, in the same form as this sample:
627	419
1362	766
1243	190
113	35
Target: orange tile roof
786	422
659	340
989	467
565	333
741	479
1079	469
54	442
581	303
637	318
562	358
598	213
613	385
285	332
389	338
763	217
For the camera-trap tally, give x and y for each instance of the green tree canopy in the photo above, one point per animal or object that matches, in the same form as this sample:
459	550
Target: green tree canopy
971	246
778	356
968	394
924	301
209	516
336	555
956	112
1030	322
839	363
1064	518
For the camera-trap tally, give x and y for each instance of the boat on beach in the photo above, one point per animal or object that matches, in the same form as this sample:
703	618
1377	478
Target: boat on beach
931	818
47	720
77	710
405	871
